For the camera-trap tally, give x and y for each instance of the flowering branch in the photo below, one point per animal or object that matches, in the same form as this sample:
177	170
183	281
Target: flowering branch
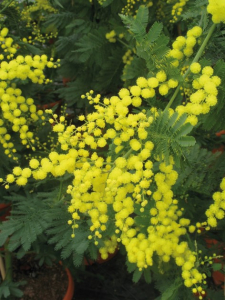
196	58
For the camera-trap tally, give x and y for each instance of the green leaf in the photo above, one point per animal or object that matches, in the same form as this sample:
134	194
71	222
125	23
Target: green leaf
184	130
143	221
58	3
154	32
27	221
135	69
169	294
186	141
137	275
147	275
138	24
93	251
130	266
9	289
75	23
168	134
31	48
78	259
82	247
92	41
59	20
106	3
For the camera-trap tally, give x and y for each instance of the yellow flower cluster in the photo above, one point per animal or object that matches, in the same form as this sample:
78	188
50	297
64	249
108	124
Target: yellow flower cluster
17	112
101	2
147	87
110	246
6	43
13	4
165	229
127	59
169	11
27	67
217	9
37	36
177	9
128	183
131	7
40	8
216	210
205	95
38	5
183	46
111	36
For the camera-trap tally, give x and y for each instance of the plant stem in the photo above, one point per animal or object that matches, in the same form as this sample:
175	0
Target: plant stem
60	190
8	264
127	153
200	51
123	43
6	6
196	58
2	268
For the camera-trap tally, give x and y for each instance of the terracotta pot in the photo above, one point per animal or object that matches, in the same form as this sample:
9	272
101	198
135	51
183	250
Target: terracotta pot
51	41
218	277
66	80
99	260
49	105
70	289
196	295
5	209
220	133
220	148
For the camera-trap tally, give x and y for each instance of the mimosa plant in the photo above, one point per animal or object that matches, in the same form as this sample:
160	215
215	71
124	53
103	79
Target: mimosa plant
135	173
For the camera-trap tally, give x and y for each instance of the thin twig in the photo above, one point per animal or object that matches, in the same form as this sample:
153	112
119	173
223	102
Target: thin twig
2	268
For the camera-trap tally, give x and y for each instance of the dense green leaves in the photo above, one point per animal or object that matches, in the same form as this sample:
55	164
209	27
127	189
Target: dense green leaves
10	289
169	135
138	24
199	172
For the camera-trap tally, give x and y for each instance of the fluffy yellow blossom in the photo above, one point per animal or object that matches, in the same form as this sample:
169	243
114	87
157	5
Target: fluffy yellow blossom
195	68
217	9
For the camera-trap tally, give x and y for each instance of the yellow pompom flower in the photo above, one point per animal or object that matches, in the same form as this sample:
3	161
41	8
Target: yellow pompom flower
26	173
135	144
161	76
135	90
142	82
153	82
21	181
222	184
17	171
148	93
217	9
207	70
123	92
10	178
196	31
136	101
163	89
120	162
172	83
4	32
195	68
